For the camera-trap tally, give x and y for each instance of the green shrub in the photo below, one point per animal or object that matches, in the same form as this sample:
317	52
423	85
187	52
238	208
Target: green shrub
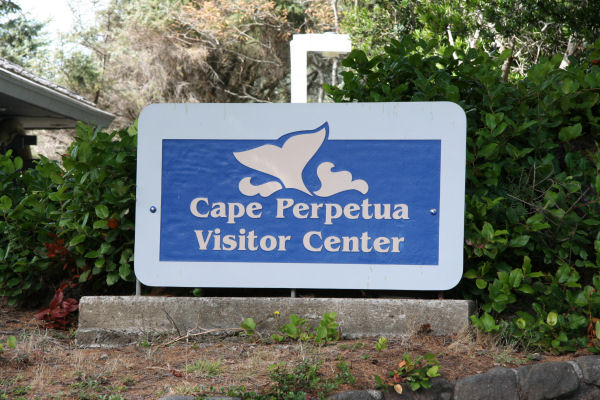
532	240
73	222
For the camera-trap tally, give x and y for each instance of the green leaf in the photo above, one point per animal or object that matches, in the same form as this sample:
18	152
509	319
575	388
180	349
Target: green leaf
321	334
570	132
569	86
552	318
11	342
519	241
526	288
77	239
452	93
84	152
490	121
488	322
124	271
480	283
18	163
84	276
487	150
102	211
112	278
432	371
488	231
5	203
91	254
249	326
100	224
470	274
521	323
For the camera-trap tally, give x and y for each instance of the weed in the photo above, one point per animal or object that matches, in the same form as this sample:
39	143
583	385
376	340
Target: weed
249	326
344	375
206	368
328	330
416	373
381	343
298	329
11	343
353	346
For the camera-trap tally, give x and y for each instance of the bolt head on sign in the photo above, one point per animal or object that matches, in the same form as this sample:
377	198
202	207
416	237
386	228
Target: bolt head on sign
337	196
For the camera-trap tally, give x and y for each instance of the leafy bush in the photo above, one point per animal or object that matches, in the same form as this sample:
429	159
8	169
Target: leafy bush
70	222
532	240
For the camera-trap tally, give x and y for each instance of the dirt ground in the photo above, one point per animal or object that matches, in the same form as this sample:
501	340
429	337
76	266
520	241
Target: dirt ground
46	364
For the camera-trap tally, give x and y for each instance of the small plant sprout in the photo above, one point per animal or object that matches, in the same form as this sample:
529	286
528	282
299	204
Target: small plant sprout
11	343
381	343
249	326
415	373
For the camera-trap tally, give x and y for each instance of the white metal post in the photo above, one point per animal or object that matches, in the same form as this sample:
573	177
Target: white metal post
301	44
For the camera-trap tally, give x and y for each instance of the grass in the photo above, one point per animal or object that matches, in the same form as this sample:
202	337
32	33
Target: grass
205	368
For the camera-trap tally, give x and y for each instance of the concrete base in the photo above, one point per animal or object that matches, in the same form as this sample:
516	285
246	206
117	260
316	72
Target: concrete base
116	321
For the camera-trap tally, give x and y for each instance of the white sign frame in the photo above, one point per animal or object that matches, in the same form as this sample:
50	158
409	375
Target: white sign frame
442	121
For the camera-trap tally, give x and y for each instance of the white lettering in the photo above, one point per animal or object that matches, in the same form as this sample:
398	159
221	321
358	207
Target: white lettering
349	209
313	241
283	204
299	209
202	241
306	241
329	216
252	207
400	211
332	241
194	207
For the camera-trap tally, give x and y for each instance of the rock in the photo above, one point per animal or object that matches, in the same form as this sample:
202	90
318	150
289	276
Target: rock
547	380
586	392
104	357
499	383
179	397
536	357
590	368
358	395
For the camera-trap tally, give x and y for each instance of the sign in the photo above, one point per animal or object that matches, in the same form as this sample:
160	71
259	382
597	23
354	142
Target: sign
365	196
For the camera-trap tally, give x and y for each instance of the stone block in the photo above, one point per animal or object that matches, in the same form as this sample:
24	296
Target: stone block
590	368
496	384
145	315
547	380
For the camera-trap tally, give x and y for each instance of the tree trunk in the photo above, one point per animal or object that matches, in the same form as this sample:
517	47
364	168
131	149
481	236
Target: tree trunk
571	46
508	63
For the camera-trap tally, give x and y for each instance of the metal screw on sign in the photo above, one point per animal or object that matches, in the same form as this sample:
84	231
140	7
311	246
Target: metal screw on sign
152	209
433	211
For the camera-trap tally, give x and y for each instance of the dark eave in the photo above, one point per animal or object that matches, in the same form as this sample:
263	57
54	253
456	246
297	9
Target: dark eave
40	104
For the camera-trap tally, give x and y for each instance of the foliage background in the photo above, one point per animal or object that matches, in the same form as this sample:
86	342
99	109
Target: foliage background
72	222
532	243
526	73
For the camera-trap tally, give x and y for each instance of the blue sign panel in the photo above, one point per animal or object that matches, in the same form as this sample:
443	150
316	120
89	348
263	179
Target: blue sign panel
302	198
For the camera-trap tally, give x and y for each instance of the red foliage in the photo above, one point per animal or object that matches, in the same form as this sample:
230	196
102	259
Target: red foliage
56	249
112	223
57	313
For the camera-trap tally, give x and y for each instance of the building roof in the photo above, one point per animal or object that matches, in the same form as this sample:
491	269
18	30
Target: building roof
40	104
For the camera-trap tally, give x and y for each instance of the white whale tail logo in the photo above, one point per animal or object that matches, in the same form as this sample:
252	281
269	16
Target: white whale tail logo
287	163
